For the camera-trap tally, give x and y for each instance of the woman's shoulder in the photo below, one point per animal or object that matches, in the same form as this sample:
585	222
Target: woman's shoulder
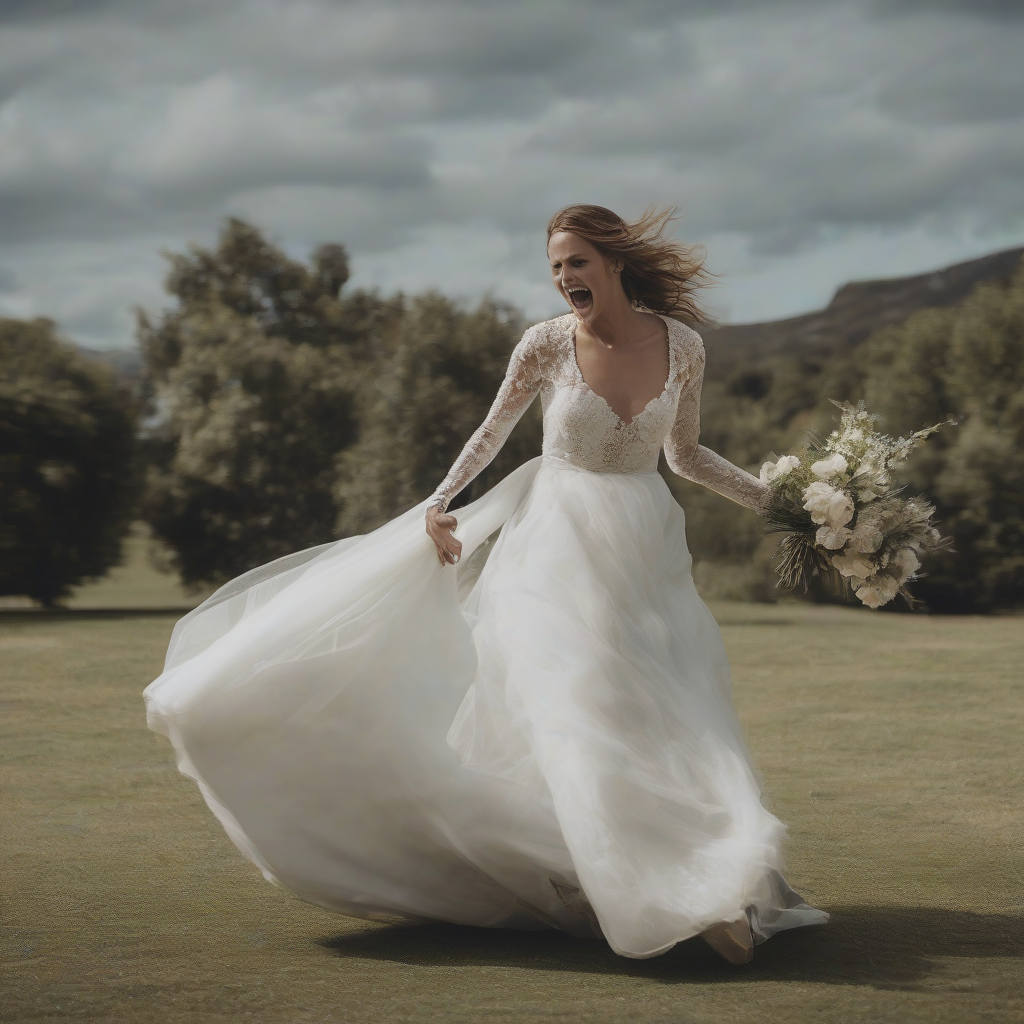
682	335
549	333
546	342
688	348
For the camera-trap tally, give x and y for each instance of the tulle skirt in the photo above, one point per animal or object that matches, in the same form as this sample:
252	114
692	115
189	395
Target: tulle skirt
542	737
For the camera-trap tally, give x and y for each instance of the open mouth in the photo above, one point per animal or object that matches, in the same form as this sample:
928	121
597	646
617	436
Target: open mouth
579	297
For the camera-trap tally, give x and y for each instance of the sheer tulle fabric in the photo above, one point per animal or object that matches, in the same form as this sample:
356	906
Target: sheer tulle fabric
544	737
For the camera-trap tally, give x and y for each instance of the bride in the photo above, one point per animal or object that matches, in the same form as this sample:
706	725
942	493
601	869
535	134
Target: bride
534	728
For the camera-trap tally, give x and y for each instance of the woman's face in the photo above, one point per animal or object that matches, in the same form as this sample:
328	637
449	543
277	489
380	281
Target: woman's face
587	279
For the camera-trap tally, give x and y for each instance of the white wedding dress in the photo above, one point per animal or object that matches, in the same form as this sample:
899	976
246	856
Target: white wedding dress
541	737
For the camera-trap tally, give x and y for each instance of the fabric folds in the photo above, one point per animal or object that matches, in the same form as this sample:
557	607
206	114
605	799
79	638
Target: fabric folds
543	737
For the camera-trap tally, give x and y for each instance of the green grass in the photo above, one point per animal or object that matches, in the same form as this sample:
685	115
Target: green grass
137	583
889	743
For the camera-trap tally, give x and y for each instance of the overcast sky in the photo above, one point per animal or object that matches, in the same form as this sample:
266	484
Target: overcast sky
808	142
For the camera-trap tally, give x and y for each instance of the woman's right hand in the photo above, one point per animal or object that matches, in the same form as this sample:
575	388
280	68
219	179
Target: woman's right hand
439	529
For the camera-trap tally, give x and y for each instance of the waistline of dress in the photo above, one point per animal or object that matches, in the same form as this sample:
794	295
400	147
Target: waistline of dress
563	460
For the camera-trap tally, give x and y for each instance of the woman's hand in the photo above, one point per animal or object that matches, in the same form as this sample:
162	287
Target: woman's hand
439	529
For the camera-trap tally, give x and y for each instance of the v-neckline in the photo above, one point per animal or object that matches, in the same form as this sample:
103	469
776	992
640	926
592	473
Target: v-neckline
624	424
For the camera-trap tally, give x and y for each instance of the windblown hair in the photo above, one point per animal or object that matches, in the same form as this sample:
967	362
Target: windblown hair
657	274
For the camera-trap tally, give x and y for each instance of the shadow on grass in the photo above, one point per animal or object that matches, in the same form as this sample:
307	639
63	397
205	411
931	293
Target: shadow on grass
880	947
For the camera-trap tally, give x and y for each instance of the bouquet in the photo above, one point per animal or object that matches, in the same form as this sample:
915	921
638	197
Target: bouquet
844	518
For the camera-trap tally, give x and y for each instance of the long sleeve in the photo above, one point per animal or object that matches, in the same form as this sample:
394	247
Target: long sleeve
518	389
693	461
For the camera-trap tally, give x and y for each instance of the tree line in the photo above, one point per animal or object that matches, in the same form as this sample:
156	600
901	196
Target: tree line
280	410
275	412
963	363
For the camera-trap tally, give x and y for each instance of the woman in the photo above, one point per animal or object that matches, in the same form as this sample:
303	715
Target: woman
543	735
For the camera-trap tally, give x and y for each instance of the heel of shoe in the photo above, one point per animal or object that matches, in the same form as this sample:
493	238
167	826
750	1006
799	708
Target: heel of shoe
731	940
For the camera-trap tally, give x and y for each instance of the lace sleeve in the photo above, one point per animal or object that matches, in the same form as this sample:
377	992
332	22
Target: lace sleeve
518	389
694	462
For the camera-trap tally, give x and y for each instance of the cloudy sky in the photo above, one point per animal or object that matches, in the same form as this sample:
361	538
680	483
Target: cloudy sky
808	142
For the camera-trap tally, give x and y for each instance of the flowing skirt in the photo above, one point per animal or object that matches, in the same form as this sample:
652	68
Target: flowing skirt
542	737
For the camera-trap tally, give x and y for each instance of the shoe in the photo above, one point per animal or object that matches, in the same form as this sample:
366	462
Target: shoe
731	940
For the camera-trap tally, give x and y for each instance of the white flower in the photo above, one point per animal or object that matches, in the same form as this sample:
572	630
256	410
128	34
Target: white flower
866	537
840	509
877	591
787	464
904	563
832	537
827	505
817	498
774	470
834	465
850	563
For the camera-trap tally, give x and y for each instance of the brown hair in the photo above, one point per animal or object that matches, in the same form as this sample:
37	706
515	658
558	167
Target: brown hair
657	274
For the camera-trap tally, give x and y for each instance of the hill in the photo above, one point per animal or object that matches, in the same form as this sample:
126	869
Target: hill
918	350
856	311
126	362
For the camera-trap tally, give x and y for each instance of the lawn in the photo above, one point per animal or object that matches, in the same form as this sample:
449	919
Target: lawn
891	744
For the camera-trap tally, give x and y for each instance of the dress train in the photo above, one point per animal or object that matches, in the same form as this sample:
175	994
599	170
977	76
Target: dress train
543	737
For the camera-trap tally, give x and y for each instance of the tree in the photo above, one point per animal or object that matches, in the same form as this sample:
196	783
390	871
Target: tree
67	463
252	378
968	362
439	371
964	361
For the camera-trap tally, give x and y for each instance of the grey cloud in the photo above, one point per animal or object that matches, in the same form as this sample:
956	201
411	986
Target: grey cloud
44	10
999	9
384	123
984	84
937	133
202	145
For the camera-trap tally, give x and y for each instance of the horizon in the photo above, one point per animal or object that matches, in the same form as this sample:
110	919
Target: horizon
133	348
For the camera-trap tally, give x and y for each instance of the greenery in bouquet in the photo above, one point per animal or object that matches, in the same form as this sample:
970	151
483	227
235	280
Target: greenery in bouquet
844	518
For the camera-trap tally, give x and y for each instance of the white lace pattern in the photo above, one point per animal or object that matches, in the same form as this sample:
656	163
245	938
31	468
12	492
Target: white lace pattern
582	428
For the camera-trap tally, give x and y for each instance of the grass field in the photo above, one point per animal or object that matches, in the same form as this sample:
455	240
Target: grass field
891	744
136	584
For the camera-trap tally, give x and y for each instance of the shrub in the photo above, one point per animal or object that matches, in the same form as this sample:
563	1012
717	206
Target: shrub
67	463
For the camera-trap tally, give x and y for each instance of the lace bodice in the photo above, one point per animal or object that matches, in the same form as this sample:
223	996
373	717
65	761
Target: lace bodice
582	428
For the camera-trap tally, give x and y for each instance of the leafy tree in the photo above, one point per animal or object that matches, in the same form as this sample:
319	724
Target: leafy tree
428	394
252	378
67	463
964	361
967	361
286	414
